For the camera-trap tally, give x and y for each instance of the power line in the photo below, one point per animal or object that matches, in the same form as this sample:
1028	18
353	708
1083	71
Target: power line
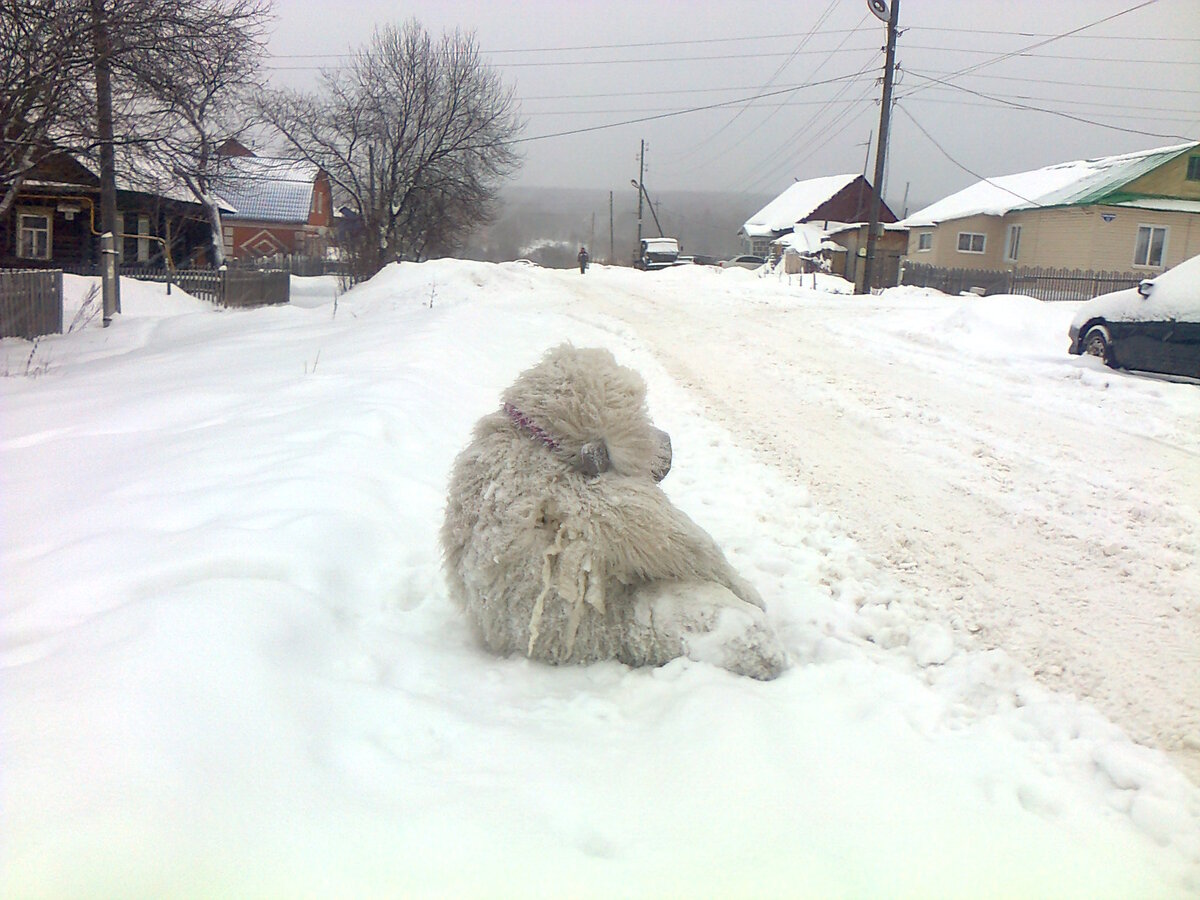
1049	40
1021	54
668	115
1124	38
1053	112
788	152
928	74
1141	89
617	62
778	36
972	172
1189	117
778	71
769	82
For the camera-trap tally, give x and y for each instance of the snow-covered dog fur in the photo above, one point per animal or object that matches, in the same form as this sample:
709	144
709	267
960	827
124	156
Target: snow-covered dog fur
560	545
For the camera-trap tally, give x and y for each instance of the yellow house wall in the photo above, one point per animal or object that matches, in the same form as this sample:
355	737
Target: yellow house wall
945	252
1169	180
1071	237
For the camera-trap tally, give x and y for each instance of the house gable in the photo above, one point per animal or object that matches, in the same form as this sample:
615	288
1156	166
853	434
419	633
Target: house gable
62	168
851	204
834	198
1167	181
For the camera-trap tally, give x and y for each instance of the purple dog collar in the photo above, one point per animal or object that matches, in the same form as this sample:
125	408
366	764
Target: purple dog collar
527	424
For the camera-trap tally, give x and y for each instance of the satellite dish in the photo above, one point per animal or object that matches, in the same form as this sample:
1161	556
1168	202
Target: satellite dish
880	9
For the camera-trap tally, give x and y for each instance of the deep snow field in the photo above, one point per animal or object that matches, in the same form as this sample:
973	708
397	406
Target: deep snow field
229	666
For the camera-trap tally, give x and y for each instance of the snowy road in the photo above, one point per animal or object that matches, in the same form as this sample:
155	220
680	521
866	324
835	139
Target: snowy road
230	666
1043	506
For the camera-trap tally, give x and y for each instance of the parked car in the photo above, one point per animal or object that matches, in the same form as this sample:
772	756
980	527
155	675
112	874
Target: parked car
657	253
1154	327
743	262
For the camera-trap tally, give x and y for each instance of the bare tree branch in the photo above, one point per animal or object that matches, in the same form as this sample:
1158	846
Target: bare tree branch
415	135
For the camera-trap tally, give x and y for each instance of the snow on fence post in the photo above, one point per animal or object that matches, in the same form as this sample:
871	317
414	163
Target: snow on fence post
31	303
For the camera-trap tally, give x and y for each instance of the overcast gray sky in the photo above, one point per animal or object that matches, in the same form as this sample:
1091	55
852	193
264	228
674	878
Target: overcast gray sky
577	65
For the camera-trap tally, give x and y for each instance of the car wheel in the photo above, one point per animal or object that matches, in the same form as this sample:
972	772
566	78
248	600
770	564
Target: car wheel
1096	343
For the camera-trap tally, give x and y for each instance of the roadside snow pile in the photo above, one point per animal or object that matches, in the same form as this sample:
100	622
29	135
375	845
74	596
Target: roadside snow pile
230	666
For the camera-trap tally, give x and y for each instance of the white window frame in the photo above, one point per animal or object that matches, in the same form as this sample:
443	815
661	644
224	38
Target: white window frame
970	235
1162	254
39	213
925	242
1012	243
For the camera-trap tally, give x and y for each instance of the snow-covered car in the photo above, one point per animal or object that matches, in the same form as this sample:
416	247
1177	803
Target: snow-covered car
743	262
657	253
1154	327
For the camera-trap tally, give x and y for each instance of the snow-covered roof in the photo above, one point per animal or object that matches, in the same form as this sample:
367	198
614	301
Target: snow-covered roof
136	173
808	240
266	189
795	204
1066	184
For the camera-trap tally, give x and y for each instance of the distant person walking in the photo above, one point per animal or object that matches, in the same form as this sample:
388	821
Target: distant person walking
583	260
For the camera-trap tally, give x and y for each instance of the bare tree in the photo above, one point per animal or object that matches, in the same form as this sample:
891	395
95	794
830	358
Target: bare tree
189	71
178	74
45	53
415	134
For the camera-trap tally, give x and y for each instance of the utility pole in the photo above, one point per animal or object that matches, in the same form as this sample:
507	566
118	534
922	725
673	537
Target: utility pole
102	50
641	174
885	113
612	261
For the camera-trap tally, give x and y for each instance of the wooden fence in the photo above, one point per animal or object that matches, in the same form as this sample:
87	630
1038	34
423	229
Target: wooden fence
1043	283
31	303
225	287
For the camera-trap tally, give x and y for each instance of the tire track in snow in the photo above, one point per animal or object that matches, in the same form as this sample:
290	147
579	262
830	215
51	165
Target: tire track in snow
1020	526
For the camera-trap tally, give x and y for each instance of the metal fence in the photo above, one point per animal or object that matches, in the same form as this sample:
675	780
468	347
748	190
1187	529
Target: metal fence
1042	283
31	303
1061	284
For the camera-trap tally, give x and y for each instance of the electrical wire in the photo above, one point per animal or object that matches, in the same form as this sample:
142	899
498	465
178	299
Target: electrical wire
1053	112
1141	89
667	115
1057	37
946	154
696	148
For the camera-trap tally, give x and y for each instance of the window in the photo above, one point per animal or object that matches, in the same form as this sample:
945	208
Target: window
1012	246
924	241
1151	246
969	242
34	232
133	246
1193	172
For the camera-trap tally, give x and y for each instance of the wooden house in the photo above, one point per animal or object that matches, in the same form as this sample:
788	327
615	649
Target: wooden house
54	221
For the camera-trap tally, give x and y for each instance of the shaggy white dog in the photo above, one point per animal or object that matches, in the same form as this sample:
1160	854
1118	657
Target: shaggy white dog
560	545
